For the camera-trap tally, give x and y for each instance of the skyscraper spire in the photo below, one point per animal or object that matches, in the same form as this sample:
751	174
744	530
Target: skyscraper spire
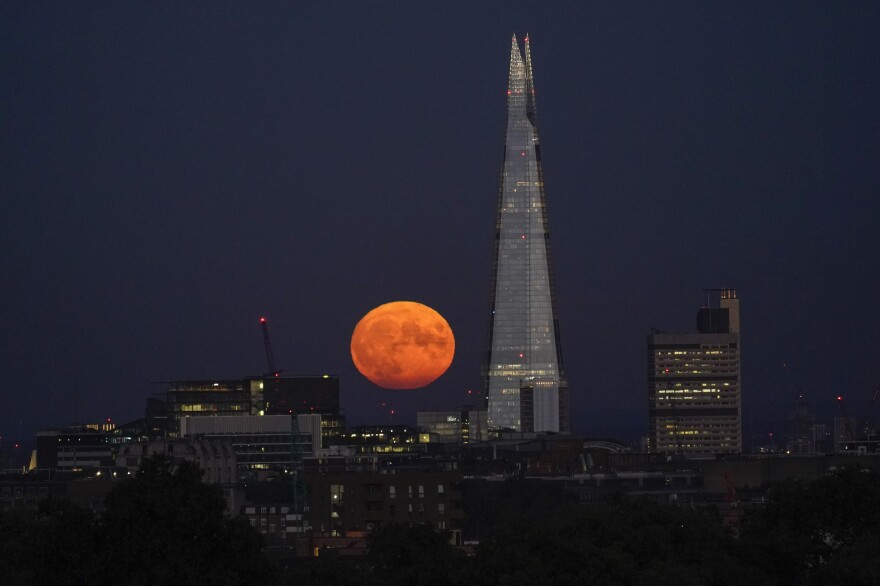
524	380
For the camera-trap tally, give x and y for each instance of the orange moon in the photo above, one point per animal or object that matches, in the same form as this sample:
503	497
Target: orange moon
402	345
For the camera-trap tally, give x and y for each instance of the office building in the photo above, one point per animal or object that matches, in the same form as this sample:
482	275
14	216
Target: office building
259	396
524	349
462	426
270	442
694	393
77	447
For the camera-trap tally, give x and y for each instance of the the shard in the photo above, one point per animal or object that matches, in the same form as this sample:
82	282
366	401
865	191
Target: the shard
524	378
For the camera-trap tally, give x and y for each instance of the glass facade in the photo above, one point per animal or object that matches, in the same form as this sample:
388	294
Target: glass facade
524	337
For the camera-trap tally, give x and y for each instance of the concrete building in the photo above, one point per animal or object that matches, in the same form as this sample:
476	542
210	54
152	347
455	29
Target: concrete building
694	394
267	443
216	458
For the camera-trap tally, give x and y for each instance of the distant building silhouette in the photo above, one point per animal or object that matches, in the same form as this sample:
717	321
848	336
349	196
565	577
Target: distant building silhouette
525	383
801	424
461	426
694	394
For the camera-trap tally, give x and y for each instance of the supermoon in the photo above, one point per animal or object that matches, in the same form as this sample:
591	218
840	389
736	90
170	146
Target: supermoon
402	345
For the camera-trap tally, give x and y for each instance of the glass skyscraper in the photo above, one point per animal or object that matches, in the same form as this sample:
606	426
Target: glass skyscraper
524	379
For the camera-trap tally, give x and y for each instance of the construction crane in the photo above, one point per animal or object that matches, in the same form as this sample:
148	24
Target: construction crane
847	423
296	481
270	356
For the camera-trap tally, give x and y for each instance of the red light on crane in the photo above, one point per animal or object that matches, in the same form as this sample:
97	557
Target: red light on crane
840	397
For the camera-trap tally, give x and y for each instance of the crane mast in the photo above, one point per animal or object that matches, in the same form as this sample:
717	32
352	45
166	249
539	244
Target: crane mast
267	342
296	455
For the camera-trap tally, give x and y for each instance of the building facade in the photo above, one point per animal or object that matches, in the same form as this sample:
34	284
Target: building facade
462	426
269	442
524	350
694	394
257	396
77	447
340	502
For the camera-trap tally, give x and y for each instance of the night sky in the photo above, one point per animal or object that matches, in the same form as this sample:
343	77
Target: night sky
172	171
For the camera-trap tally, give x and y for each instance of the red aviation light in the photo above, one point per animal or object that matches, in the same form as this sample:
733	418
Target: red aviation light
262	320
840	397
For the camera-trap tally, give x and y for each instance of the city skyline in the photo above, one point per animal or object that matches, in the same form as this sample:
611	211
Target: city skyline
172	173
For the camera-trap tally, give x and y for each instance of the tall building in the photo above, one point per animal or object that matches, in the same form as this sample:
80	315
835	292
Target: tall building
524	378
694	378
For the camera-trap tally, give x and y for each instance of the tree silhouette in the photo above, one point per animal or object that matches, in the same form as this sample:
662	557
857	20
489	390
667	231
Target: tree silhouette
165	526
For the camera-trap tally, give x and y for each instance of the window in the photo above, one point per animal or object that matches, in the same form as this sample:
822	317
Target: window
392	492
421	491
439	489
336	493
441	508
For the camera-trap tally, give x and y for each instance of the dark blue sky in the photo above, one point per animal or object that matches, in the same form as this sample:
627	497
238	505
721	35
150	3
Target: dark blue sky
172	171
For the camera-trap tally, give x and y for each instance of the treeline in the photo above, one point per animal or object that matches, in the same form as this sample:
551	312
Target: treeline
166	527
